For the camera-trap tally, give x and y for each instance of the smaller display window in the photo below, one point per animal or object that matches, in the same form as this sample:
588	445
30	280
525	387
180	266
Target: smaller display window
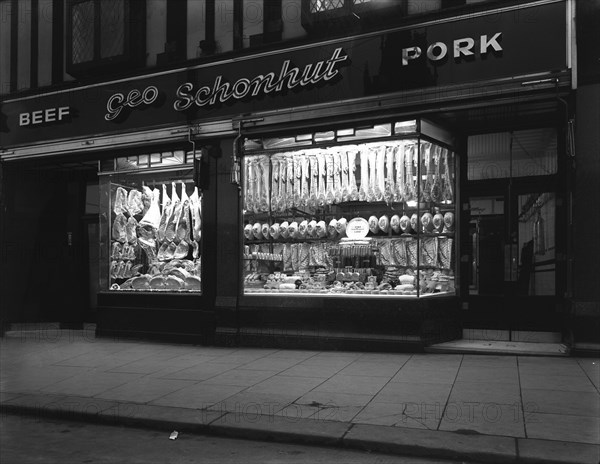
151	223
355	211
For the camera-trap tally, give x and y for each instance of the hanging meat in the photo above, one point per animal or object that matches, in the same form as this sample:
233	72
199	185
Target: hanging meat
116	250
131	230
196	210
364	173
164	217
400	172
409	183
352	187
436	188
170	230
274	183
322	178
447	193
314	180
305	164
390	188
146	236
120	203
135	204
146	198
183	227
152	216
427	157
289	194
297	179
379	187
248	187
183	223
330	175
119	228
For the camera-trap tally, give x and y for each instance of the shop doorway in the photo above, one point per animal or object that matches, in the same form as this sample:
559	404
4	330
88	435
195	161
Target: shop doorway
514	293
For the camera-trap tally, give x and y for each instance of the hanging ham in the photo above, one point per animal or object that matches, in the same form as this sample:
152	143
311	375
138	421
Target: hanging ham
152	216
170	231
196	210
164	217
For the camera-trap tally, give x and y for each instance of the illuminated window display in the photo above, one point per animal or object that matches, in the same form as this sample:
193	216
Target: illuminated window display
353	212
151	225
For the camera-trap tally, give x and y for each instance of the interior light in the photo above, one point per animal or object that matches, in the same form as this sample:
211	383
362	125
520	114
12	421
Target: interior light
303	137
405	127
345	132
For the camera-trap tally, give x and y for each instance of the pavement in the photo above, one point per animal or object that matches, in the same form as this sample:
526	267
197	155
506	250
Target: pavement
484	408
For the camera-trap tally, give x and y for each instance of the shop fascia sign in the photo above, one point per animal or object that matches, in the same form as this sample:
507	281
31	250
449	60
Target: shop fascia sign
289	77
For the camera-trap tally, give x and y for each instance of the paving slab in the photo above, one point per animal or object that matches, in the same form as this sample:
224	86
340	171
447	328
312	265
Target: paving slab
561	427
580	383
144	389
434	444
333	399
240	377
357	384
197	396
400	415
484	418
370	368
561	402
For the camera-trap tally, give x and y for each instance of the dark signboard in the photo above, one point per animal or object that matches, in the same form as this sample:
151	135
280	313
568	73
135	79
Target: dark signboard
497	44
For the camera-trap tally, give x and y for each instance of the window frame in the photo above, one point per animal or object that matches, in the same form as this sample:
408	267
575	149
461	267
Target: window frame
133	53
349	11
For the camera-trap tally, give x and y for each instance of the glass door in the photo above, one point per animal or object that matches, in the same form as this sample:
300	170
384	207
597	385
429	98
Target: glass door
511	240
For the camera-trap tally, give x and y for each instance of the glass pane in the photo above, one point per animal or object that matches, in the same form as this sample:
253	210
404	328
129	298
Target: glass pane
112	28
537	263
345	219
325	5
83	32
151	227
520	153
486	231
488	156
534	152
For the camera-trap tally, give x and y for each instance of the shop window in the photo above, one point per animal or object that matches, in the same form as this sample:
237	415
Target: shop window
150	223
102	35
354	211
522	153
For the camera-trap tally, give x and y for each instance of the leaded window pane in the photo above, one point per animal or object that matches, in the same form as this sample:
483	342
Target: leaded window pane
317	6
112	28
83	32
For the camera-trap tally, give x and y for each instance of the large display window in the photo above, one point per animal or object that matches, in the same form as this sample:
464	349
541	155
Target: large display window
356	211
151	224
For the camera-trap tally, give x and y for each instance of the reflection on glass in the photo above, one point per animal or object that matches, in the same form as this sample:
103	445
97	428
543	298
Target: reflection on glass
518	154
537	266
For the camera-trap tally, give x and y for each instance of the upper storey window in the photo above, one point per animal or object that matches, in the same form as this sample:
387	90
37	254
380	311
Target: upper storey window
104	34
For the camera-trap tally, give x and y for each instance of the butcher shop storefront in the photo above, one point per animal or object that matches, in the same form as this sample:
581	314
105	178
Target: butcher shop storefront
385	191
